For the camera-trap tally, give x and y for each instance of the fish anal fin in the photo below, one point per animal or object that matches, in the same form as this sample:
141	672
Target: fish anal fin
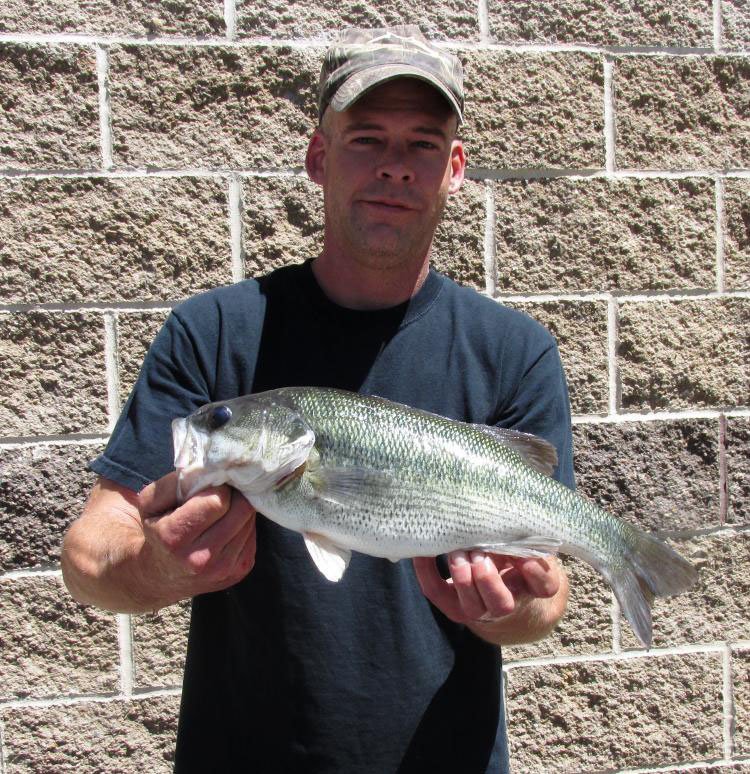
532	546
536	452
330	559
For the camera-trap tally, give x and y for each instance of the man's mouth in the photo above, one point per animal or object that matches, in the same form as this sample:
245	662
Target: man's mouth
388	205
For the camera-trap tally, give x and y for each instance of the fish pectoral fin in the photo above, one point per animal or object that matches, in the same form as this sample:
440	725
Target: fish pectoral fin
330	559
536	452
350	485
532	546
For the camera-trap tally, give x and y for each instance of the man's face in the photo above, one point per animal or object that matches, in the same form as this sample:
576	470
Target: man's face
387	166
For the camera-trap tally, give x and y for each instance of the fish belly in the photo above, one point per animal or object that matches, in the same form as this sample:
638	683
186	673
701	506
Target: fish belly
408	520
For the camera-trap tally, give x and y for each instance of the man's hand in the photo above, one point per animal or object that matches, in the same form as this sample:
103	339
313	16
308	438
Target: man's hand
503	599
205	544
135	553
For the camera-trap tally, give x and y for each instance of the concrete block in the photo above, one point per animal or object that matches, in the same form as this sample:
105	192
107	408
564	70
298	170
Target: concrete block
563	235
735	25
533	110
454	20
282	222
458	249
615	714
123	736
606	23
660	476
53	646
52	373
50	106
135	332
42	490
137	17
682	112
737	234
580	328
716	609
159	647
684	354
97	239
738	470
192	106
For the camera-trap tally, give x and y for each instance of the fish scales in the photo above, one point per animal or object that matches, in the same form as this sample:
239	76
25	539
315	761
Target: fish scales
353	472
440	485
393	445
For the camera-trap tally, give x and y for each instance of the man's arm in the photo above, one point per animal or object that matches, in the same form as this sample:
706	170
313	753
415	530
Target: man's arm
504	600
135	553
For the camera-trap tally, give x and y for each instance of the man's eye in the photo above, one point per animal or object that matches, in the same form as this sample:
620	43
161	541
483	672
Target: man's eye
365	140
425	144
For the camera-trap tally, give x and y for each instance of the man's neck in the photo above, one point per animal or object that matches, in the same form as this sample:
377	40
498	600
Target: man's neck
354	286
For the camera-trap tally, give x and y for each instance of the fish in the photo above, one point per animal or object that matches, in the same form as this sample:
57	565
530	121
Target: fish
354	472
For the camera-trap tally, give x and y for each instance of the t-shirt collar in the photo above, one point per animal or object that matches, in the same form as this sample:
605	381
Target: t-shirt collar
401	314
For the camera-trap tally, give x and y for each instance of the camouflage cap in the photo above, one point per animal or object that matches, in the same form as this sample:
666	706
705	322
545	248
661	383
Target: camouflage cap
363	59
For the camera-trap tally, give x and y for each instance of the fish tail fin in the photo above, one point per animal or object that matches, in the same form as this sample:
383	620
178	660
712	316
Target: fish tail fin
650	569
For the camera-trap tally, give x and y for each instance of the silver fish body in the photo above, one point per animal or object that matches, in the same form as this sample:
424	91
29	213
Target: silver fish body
360	473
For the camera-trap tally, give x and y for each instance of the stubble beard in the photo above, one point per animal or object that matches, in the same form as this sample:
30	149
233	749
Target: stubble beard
388	246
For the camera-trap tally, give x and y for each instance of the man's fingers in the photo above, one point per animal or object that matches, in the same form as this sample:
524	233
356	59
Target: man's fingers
462	573
183	526
239	555
497	598
542	576
438	591
160	496
220	540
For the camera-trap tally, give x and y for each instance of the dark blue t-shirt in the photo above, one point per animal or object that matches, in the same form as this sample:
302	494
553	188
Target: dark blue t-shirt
287	672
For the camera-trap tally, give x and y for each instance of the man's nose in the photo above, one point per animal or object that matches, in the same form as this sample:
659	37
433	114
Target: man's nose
395	167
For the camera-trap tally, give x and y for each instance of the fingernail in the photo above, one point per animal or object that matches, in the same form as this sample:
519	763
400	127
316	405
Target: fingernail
459	558
477	557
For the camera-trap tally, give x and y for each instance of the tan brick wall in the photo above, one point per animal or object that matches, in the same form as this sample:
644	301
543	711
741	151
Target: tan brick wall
151	150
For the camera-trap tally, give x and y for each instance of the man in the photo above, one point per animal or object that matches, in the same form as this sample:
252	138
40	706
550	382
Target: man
286	671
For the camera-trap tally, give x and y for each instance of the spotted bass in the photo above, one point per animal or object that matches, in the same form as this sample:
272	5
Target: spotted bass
359	473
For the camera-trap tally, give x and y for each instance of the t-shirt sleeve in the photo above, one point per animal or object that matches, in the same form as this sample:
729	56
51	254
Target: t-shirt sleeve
172	383
540	405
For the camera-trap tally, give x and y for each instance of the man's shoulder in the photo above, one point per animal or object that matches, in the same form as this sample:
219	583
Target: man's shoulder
217	299
488	313
239	299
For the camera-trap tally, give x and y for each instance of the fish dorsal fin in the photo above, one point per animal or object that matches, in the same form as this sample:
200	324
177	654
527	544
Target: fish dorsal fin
540	454
330	559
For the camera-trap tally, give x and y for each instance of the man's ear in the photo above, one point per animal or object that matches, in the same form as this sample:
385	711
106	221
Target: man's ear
457	166
315	157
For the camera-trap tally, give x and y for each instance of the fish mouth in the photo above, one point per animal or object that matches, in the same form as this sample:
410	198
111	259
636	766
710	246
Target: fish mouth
248	471
182	442
193	474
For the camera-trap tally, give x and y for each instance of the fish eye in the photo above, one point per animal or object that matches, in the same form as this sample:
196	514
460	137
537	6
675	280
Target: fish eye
219	417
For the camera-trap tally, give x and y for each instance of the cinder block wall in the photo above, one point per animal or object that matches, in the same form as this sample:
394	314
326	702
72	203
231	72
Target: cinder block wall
151	150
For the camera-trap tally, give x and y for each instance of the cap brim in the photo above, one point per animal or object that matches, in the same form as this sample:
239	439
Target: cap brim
360	83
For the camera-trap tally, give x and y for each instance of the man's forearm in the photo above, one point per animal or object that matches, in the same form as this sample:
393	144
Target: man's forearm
137	553
108	567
